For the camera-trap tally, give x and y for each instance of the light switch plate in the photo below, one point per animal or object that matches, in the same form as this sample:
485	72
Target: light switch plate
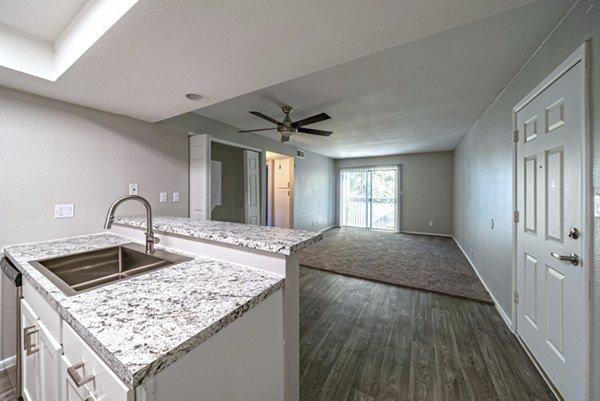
175	196
133	189
163	197
597	206
64	211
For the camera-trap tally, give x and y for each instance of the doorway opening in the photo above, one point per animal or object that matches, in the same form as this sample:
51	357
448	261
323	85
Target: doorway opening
369	197
280	190
234	184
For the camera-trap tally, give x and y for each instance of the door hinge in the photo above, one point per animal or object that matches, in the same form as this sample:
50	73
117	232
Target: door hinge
516	297
516	136
516	216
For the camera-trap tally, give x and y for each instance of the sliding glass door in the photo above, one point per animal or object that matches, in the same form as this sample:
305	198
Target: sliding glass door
369	197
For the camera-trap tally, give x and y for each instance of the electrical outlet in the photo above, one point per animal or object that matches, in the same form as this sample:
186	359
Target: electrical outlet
163	197
64	211
430	223
133	189
175	196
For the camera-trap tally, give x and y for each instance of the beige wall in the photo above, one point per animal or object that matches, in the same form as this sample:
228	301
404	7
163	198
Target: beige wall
52	152
314	188
427	189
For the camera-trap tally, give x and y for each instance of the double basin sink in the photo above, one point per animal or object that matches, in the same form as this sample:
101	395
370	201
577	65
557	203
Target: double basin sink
84	271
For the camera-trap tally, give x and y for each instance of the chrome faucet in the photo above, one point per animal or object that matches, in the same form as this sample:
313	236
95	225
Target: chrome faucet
150	238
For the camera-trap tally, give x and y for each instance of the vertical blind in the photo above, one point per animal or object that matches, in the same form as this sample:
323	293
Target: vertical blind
369	197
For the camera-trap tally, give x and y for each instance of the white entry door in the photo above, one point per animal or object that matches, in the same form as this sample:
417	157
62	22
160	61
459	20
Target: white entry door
251	185
551	309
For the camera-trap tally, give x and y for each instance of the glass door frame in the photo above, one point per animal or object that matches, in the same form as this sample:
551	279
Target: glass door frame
368	171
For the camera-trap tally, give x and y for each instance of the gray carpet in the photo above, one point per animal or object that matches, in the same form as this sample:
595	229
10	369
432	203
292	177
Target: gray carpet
418	261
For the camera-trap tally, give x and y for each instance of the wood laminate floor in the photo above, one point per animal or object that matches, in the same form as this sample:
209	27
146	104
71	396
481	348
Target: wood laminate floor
7	384
366	341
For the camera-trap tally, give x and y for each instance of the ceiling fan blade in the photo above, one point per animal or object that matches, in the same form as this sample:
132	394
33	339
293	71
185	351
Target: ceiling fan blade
265	117
256	130
311	120
314	131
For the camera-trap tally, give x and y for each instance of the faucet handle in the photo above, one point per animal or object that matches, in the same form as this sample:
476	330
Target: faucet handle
156	240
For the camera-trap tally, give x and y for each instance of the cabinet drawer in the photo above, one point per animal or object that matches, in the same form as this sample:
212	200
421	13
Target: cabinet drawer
80	363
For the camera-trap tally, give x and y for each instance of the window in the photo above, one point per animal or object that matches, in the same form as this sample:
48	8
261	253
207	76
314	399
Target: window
369	197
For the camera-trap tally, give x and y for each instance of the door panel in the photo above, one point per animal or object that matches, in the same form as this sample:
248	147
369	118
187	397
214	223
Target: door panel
554	195
554	310
531	290
530	212
551	315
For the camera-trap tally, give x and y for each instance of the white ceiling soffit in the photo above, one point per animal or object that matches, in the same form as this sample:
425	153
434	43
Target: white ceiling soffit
419	97
43	38
162	49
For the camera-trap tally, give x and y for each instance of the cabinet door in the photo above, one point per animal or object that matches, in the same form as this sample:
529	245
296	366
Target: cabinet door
41	358
89	376
49	359
72	392
30	353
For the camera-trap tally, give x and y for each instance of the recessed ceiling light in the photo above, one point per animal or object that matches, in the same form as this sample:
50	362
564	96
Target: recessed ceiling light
195	96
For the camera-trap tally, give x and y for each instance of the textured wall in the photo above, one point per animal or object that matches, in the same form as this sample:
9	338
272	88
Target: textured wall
483	167
427	185
53	153
314	192
314	174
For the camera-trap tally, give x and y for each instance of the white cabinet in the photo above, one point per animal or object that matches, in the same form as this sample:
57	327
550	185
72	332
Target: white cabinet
40	357
85	376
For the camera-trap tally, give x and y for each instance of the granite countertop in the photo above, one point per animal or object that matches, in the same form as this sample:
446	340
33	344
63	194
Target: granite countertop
270	239
141	325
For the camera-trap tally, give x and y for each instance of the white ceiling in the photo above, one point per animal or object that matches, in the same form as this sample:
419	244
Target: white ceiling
161	49
44	19
419	97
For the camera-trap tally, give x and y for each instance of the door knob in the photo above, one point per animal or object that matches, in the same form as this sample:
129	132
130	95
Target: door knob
574	233
573	258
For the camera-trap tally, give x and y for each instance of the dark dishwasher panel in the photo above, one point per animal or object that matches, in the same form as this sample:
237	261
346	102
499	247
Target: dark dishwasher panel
10	312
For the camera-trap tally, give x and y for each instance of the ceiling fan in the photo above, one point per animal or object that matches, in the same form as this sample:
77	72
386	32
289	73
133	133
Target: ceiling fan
287	127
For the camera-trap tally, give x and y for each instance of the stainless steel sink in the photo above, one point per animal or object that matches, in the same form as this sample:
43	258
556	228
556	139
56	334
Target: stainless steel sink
79	272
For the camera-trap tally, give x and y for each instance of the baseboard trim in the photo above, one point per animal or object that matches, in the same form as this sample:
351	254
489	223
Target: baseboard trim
430	234
8	362
321	231
503	314
540	370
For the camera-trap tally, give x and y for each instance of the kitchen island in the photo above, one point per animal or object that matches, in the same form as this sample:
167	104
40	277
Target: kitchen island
224	324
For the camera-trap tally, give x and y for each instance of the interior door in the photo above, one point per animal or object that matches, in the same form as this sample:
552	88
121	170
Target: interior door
551	310
251	186
282	192
200	177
